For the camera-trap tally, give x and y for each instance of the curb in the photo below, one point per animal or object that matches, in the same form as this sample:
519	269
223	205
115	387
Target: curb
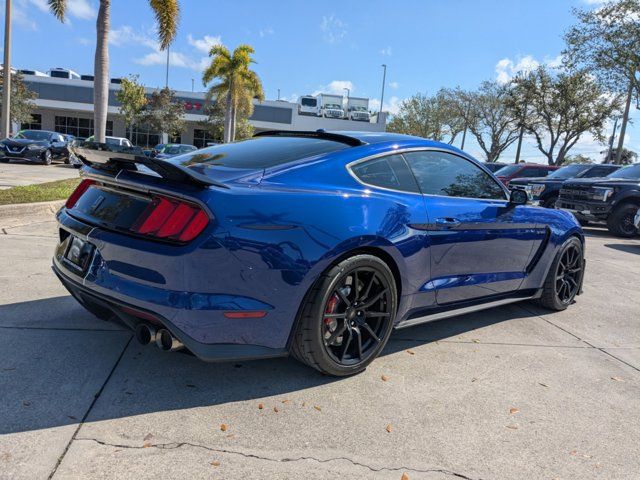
29	209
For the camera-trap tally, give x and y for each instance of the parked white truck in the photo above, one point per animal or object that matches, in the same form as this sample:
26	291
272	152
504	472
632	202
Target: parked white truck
358	109
331	105
309	105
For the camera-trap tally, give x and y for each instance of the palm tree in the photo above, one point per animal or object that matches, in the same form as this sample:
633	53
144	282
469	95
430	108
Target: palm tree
166	13
238	86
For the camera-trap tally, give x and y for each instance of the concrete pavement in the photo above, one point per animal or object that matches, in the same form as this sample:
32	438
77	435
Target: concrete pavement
510	393
24	173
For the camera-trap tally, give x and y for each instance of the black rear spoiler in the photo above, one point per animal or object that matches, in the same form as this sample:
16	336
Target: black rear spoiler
114	158
336	137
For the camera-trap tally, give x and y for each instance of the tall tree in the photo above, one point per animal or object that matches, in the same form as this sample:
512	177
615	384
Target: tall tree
132	100
433	117
164	113
627	157
491	121
606	42
214	123
22	98
561	108
238	84
166	12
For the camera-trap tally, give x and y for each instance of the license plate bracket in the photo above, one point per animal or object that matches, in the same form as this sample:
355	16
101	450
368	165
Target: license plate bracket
78	254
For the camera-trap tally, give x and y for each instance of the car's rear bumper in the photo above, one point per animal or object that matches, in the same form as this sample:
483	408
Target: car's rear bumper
193	290
114	309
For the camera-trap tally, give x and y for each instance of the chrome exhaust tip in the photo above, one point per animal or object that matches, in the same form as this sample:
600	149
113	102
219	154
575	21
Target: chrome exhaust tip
167	342
145	334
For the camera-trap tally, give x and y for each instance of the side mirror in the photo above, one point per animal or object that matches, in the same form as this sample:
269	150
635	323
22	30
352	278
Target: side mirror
518	197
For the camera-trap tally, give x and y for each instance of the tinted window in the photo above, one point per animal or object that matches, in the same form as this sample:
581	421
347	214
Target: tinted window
508	170
33	135
259	152
387	172
599	172
569	171
631	171
530	172
440	173
309	102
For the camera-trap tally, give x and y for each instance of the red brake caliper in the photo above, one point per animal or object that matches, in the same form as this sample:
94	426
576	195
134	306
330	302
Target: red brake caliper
331	308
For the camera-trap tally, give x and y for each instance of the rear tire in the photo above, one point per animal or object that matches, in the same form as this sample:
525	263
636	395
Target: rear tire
564	279
347	317
620	222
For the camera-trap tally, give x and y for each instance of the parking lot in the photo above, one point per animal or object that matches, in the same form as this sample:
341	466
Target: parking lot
510	393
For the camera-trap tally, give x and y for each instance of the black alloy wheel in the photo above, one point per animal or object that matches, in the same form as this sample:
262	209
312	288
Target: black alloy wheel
568	274
564	279
356	316
347	317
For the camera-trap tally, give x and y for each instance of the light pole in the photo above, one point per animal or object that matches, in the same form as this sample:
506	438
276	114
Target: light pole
278	94
384	79
5	128
193	82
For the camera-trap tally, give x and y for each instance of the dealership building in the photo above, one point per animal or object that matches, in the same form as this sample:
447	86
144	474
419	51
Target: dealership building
65	105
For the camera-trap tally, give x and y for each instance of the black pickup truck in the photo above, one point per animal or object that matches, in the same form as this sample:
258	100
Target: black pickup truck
612	201
545	190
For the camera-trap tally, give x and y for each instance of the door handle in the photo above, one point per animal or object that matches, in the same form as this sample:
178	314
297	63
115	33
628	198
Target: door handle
447	222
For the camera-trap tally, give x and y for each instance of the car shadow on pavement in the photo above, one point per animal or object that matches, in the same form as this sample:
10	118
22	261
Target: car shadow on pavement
623	247
51	370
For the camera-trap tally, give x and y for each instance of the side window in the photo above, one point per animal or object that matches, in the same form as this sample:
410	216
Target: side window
386	172
597	172
529	172
441	173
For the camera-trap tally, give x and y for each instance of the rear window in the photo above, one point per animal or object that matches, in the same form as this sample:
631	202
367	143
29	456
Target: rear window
309	102
260	152
508	170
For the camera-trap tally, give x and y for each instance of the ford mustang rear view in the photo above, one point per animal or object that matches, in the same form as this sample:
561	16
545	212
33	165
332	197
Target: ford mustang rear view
314	244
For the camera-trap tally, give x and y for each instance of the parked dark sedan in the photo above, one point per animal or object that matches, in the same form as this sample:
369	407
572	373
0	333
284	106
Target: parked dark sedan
545	190
39	146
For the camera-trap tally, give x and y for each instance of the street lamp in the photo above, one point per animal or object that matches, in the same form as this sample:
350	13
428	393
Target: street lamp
348	92
384	79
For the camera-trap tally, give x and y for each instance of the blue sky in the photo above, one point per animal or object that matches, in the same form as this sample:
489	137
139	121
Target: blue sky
305	47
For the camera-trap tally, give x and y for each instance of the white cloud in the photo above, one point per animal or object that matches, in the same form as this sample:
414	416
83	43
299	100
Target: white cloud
334	29
394	85
336	87
205	43
81	9
386	51
176	59
266	31
507	68
391	106
595	2
126	35
40	4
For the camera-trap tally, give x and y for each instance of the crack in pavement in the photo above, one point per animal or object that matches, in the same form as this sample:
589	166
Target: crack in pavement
176	445
86	414
600	349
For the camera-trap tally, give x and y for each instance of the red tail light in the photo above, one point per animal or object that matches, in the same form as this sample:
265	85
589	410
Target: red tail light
171	219
78	192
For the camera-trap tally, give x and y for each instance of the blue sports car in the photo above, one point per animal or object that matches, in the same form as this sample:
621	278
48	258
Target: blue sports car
314	244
